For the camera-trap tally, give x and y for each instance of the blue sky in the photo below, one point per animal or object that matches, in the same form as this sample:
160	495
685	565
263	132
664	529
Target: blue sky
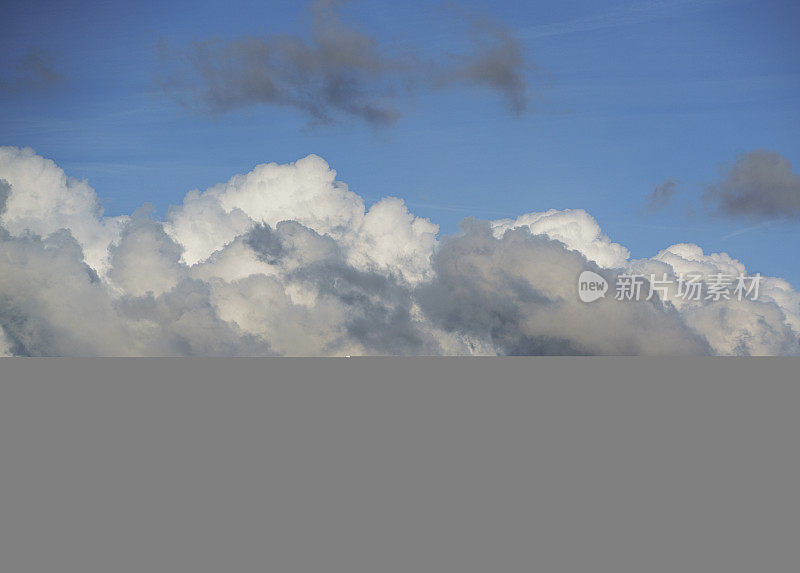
625	95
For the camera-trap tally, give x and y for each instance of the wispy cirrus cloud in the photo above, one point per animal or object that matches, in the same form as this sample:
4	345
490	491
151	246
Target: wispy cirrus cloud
623	15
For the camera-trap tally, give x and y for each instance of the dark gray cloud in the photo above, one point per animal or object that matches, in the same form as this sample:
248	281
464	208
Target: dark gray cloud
497	61
34	71
758	185
185	322
339	72
50	301
661	195
378	306
5	191
510	291
265	242
54	304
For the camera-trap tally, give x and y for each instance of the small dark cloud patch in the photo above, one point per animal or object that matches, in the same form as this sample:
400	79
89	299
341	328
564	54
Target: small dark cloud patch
339	72
760	184
35	71
497	61
661	195
265	242
5	191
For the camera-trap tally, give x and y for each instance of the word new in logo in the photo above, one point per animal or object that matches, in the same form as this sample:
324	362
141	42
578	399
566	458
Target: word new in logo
591	286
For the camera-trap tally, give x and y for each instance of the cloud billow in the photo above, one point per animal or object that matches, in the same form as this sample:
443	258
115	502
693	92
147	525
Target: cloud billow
286	260
340	72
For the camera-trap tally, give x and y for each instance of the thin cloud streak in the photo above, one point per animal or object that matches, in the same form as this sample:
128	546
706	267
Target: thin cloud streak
626	15
749	229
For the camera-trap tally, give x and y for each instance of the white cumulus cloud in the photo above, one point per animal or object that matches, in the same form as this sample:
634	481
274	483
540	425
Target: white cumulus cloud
573	227
287	260
43	199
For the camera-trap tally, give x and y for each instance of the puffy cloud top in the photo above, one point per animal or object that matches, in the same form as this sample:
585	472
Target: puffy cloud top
43	199
575	228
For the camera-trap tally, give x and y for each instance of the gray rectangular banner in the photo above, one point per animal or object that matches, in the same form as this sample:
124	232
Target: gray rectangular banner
399	465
